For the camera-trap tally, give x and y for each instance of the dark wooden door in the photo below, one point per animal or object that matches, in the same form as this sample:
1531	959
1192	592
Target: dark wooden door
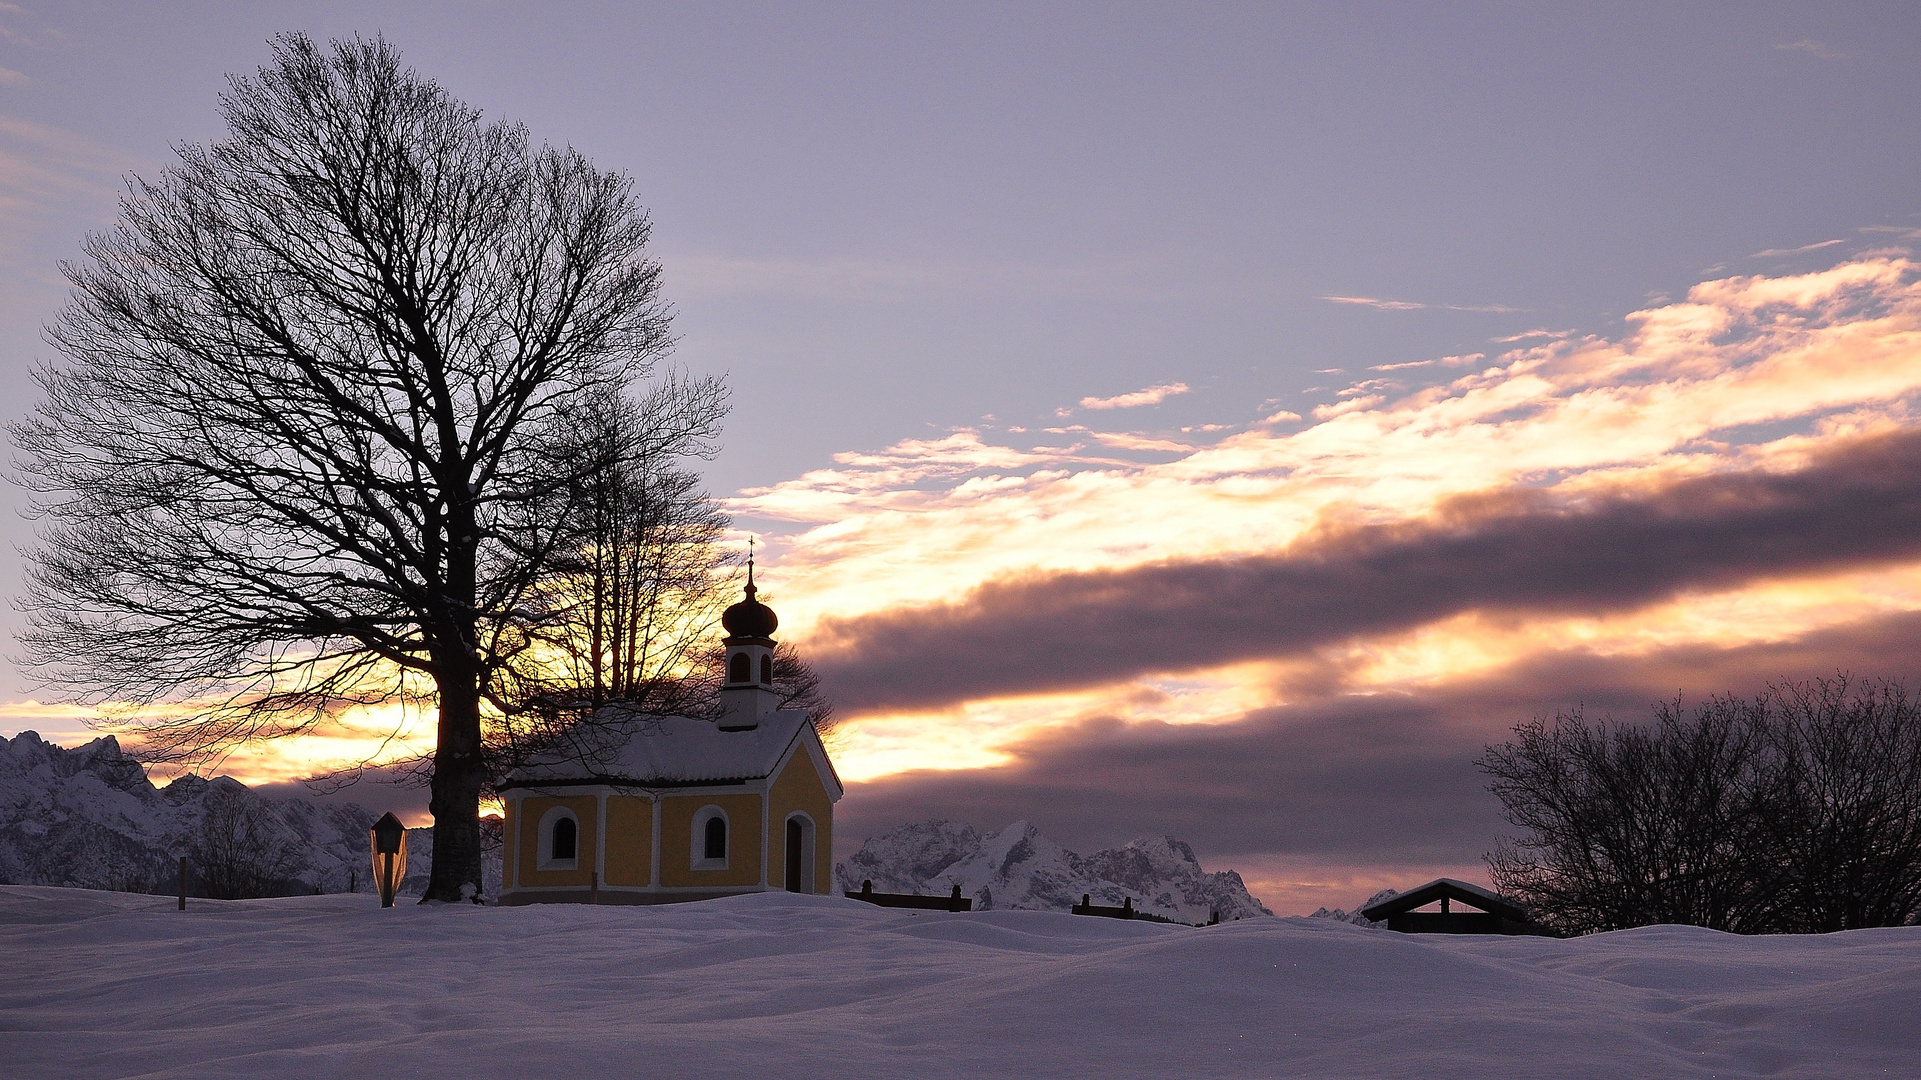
796	853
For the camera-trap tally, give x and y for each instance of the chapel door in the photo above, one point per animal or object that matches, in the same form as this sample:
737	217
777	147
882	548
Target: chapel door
796	856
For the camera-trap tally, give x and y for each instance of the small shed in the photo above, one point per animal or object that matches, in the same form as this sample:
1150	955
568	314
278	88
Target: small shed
1493	915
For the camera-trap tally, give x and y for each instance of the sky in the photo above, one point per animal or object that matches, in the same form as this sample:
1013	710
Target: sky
1216	420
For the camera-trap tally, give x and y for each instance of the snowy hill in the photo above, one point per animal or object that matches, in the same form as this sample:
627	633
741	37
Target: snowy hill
1018	868
774	985
90	818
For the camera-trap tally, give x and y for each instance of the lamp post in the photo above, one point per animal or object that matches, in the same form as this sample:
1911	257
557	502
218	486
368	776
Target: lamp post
390	856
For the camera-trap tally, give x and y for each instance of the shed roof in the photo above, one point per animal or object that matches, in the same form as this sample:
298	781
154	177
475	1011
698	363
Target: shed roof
1452	889
673	751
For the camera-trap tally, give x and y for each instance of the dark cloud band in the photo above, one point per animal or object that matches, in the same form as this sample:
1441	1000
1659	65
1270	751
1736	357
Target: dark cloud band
1383	781
1519	551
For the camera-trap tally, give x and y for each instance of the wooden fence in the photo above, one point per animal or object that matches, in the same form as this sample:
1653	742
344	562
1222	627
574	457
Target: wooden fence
1128	911
952	902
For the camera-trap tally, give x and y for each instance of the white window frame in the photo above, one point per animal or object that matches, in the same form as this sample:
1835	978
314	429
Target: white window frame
697	839
545	834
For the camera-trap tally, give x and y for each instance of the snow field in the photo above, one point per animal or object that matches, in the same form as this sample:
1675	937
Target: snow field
96	984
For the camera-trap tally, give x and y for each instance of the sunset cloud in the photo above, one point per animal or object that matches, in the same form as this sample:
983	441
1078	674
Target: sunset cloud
1409	305
1528	550
1525	335
1153	395
1802	250
1734	473
1325	800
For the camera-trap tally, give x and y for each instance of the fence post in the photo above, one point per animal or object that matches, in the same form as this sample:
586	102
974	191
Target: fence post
183	883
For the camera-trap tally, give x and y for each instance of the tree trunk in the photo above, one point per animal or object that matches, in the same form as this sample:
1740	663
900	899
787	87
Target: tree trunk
459	771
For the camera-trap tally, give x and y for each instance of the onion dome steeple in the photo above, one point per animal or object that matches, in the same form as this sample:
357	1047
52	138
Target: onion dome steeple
750	618
747	695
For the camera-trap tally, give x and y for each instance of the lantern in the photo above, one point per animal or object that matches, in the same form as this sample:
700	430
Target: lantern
390	856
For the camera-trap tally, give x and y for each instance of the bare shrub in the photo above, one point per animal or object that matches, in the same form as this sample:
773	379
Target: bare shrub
240	852
1796	811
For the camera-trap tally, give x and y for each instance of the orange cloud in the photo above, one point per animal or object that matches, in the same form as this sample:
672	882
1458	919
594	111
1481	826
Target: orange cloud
1153	395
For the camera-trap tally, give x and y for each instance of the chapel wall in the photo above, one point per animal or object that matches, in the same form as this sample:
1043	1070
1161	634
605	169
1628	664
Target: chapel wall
743	841
630	841
532	809
799	787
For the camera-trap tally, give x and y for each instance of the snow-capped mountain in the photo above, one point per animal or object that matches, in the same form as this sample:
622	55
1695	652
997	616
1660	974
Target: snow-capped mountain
1355	916
1019	868
90	818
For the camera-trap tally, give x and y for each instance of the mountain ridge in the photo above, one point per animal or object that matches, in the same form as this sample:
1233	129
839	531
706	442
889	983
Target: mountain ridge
1018	868
90	817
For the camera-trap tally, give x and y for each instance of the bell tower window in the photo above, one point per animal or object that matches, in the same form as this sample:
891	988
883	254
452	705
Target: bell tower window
740	668
767	669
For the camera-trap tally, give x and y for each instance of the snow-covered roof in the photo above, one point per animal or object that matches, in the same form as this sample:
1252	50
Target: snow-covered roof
1453	889
669	751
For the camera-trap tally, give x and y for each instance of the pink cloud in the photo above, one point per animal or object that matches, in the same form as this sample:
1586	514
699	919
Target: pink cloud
1153	395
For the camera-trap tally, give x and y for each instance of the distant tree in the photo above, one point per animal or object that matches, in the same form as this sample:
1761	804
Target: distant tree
240	852
1797	811
318	435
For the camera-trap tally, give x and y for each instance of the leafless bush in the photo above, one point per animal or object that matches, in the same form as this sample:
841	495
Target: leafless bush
1797	811
239	852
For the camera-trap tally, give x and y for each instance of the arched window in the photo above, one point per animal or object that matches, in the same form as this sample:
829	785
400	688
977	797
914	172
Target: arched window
707	840
740	668
559	839
767	670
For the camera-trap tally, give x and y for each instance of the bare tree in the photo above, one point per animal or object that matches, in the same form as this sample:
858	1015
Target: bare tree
1843	806
638	589
1625	825
320	414
1797	811
238	852
633	600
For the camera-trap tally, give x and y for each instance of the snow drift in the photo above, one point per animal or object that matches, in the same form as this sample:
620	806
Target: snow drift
775	985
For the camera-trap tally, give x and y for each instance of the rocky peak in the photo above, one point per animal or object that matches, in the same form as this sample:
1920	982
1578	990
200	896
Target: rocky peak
1018	867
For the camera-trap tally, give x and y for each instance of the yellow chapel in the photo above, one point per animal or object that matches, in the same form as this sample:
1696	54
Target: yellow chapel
681	808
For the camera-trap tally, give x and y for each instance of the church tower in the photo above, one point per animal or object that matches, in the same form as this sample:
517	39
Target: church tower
747	697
